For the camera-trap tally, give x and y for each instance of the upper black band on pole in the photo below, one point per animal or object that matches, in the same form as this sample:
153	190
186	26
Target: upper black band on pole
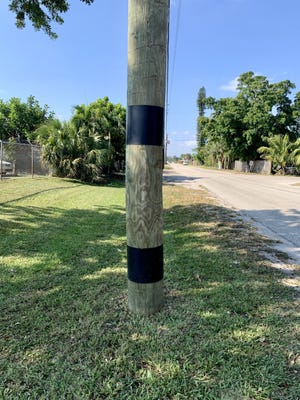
145	125
145	265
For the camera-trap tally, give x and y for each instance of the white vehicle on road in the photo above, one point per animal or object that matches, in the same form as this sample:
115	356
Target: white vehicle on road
5	167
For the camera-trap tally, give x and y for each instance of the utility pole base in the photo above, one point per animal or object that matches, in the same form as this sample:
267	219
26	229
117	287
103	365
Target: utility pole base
145	298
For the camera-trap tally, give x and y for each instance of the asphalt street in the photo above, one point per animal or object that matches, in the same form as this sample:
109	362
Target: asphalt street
272	203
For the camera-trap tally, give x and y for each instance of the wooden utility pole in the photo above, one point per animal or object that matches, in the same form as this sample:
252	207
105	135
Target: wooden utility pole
147	58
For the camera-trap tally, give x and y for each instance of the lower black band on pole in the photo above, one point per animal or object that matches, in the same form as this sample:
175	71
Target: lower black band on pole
145	265
145	125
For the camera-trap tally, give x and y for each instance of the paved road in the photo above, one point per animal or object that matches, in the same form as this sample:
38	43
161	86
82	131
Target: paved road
271	202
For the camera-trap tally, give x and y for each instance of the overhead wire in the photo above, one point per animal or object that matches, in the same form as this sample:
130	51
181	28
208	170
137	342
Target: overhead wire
175	47
169	82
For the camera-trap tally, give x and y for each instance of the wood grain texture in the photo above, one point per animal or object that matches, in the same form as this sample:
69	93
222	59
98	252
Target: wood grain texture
145	298
144	196
147	51
147	55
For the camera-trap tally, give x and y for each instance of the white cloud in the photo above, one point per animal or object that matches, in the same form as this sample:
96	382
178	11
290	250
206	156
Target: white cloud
190	143
231	86
181	142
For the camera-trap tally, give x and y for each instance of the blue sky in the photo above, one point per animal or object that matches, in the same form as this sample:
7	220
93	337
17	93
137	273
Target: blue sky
211	43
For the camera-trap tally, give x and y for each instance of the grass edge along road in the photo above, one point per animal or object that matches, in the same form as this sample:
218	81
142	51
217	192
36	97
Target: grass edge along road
228	330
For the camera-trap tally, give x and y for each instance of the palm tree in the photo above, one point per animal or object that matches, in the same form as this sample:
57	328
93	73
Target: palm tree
279	151
296	152
94	153
59	146
86	147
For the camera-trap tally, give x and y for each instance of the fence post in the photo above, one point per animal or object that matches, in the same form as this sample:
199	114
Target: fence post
32	162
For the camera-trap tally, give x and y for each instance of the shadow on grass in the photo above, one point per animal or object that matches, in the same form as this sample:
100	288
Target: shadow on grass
227	329
60	243
37	192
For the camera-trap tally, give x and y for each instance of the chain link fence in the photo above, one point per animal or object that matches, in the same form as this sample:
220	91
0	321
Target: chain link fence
20	159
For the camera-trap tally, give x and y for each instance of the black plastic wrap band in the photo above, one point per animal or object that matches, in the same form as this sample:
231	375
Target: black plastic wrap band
145	265
145	125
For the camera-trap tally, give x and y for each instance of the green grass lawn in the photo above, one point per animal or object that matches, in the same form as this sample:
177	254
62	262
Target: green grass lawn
228	330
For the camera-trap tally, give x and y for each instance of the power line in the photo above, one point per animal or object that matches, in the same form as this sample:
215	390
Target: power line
169	86
175	45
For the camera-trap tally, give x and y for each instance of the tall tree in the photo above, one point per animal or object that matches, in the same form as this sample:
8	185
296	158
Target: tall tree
5	130
201	112
295	127
41	13
267	108
19	120
201	101
259	111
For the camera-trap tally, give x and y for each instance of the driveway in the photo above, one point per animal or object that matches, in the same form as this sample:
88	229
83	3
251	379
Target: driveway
272	203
